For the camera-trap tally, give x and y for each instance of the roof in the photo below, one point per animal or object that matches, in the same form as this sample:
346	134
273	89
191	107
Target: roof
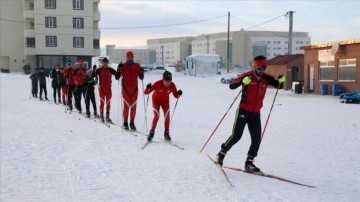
204	57
283	59
330	44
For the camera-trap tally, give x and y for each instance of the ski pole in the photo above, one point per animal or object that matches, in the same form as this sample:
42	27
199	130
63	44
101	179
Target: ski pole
145	105
220	122
121	104
174	110
272	105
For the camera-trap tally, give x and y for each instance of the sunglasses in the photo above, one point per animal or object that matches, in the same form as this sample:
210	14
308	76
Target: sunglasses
261	68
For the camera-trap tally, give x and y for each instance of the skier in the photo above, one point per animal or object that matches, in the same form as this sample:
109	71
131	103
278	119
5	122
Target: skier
79	74
105	72
42	81
89	91
130	71
160	98
69	76
254	84
55	84
34	83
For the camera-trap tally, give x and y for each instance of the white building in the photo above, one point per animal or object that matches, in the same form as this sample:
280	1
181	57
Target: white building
43	33
141	56
244	46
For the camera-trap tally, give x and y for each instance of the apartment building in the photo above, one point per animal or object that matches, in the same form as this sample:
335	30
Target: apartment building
141	56
170	50
42	33
243	46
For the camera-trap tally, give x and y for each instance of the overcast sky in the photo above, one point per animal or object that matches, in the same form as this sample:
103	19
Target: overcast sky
130	23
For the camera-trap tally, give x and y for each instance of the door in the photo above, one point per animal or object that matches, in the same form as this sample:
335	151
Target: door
311	78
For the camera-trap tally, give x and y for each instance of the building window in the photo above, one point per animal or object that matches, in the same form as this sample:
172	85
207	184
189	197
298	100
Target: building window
78	4
347	70
50	22
78	23
51	41
30	42
326	72
78	42
50	4
96	43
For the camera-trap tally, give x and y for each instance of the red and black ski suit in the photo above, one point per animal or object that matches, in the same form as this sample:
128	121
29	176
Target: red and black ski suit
130	73
69	75
160	98
248	111
104	74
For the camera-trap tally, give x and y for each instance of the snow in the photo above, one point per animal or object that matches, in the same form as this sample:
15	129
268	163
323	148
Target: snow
47	155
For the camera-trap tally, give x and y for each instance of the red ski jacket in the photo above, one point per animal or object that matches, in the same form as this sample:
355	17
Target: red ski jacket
161	92
253	94
105	74
130	75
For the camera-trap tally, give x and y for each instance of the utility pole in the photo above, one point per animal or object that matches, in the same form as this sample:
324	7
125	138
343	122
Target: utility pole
290	14
228	45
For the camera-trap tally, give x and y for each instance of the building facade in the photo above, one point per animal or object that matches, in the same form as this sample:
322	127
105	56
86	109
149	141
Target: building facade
243	46
141	56
328	65
42	33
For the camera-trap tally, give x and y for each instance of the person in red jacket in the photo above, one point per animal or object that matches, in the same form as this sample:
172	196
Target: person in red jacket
130	72
70	81
254	84
79	75
160	98
105	73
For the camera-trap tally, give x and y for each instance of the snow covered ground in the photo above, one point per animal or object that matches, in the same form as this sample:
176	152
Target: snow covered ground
47	155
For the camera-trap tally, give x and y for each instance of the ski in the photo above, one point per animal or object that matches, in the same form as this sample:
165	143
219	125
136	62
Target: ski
269	176
221	170
129	131
172	143
146	144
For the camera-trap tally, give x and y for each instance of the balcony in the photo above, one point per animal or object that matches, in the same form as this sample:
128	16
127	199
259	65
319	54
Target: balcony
96	34
96	16
29	14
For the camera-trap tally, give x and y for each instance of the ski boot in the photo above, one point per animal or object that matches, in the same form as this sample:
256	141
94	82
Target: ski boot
126	126
102	117
220	158
250	167
151	135
132	126
166	135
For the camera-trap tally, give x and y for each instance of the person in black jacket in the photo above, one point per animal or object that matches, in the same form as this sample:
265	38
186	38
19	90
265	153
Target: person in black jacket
42	81
55	84
89	93
35	83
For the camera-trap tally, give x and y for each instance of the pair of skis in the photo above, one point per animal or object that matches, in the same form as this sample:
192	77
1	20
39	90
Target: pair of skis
254	173
166	141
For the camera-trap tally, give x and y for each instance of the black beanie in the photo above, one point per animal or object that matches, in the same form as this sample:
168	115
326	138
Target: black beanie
167	76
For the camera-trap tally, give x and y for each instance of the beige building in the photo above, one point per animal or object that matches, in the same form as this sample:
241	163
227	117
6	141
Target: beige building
141	56
243	46
43	33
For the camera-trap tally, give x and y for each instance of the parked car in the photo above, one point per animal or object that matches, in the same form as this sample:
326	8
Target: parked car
146	67
159	67
350	97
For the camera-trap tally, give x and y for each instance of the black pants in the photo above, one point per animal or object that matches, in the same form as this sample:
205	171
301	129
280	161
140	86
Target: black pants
43	88
90	97
252	119
70	92
78	93
57	91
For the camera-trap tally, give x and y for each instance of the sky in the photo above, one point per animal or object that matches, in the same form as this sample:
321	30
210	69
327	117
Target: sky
130	23
48	155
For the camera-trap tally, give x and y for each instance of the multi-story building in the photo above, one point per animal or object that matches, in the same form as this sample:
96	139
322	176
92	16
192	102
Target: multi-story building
243	46
170	50
42	33
141	56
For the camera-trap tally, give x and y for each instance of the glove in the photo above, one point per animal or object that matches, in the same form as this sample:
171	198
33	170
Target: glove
142	69
281	78
179	92
246	80
148	86
120	65
94	67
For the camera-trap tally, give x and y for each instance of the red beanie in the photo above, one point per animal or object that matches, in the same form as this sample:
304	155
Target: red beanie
129	54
